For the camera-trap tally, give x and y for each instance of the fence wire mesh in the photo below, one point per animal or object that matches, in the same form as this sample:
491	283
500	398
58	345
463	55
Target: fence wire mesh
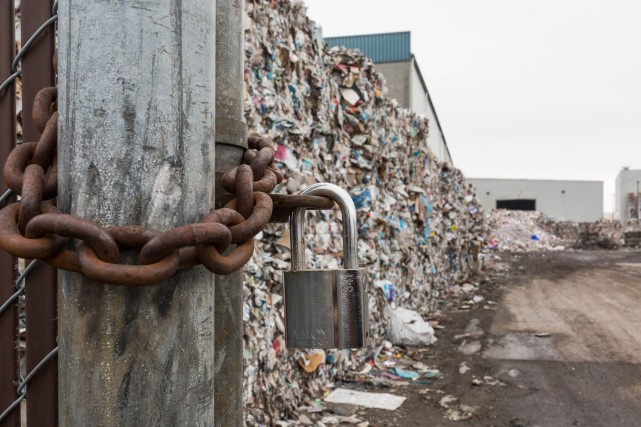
17	325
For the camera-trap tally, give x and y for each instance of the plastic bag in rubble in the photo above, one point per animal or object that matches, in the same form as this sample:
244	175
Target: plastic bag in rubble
407	327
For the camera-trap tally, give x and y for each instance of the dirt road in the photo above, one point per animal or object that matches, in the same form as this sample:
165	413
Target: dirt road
556	342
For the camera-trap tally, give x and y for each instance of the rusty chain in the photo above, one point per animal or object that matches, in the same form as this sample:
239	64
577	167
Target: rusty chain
34	228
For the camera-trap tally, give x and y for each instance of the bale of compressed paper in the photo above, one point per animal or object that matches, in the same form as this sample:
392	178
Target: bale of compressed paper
589	235
329	114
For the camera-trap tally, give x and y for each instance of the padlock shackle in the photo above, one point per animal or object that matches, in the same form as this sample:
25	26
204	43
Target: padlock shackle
350	232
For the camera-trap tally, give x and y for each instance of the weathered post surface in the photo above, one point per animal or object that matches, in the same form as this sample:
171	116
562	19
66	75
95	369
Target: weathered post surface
230	144
137	110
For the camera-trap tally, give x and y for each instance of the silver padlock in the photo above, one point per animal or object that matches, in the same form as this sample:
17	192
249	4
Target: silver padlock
326	308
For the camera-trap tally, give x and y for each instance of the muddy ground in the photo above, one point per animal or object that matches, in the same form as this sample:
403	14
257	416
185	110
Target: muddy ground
556	342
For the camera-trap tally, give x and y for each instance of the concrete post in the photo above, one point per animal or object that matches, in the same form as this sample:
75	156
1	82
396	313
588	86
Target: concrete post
137	110
231	142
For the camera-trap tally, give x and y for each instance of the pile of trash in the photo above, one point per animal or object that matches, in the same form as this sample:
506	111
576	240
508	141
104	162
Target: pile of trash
520	231
419	221
526	231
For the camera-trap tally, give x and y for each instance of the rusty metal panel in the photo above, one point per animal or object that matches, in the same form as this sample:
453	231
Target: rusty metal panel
8	318
37	67
41	312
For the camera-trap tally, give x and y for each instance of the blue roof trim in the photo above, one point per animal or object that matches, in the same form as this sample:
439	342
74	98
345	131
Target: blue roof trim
387	47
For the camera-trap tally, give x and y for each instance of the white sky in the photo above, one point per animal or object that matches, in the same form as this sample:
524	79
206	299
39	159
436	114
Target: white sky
523	89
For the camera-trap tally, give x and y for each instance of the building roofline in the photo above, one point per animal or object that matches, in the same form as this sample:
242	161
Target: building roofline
429	99
367	35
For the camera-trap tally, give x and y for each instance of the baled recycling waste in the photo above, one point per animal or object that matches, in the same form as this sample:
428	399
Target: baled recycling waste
523	231
329	114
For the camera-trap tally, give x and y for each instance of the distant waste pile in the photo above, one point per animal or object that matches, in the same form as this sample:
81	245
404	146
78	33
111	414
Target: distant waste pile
520	231
523	231
329	114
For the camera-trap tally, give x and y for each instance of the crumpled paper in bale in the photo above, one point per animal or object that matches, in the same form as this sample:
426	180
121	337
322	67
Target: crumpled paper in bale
329	114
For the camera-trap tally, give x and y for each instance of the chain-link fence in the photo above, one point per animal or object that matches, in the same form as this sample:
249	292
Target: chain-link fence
28	316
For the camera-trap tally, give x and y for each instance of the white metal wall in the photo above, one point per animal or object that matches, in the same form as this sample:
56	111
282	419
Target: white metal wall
564	200
420	103
419	100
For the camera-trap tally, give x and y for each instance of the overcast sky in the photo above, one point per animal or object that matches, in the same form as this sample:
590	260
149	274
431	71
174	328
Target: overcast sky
523	89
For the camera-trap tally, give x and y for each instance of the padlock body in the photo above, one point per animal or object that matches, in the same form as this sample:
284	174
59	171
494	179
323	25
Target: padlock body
326	308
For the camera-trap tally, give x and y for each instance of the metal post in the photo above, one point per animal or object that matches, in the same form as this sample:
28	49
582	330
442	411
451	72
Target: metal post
137	114
637	201
8	318
230	144
40	295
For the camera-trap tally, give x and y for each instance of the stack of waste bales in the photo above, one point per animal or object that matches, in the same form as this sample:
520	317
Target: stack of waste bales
591	235
330	116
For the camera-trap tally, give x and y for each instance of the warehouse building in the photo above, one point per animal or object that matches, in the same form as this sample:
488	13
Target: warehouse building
626	194
393	58
563	200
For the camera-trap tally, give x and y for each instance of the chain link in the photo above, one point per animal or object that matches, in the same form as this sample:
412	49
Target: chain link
35	229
